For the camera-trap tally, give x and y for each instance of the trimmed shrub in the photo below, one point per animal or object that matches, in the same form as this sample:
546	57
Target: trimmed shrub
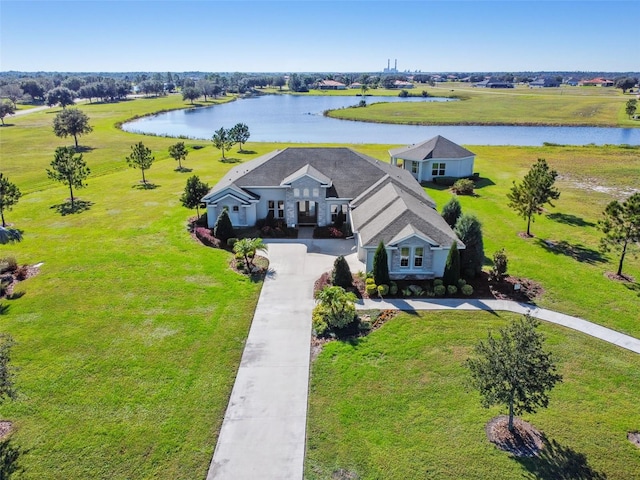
393	288
223	229
464	186
371	289
452	289
500	265
452	267
231	242
461	282
381	266
469	230
383	290
341	273
417	290
369	281
467	290
451	211
205	236
438	281
406	292
439	290
318	321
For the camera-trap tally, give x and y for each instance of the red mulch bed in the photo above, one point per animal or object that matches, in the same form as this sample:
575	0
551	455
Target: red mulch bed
619	278
5	428
524	441
634	437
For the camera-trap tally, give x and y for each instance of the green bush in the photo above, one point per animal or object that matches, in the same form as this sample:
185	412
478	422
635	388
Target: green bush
464	186
318	321
371	289
383	290
452	289
467	290
341	274
417	290
369	281
231	242
406	292
393	288
438	281
439	290
461	282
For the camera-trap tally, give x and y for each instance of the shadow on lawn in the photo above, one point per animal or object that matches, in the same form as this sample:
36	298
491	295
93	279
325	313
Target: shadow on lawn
145	186
568	219
558	462
634	287
67	208
9	456
576	251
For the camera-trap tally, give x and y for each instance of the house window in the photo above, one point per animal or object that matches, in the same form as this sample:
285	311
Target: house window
296	192
338	208
271	204
418	254
414	167
316	192
280	208
438	169
305	192
236	208
404	256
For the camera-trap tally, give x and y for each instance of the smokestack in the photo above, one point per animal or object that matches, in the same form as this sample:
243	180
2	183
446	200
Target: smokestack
396	65
388	63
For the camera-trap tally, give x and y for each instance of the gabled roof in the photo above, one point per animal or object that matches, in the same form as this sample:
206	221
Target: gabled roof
308	171
438	147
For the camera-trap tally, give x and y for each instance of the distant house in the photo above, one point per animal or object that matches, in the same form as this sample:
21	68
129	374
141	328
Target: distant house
493	83
597	82
312	186
544	83
402	84
330	85
356	85
438	157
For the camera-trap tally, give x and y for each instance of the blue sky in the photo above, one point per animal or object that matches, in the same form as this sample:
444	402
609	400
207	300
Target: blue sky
319	36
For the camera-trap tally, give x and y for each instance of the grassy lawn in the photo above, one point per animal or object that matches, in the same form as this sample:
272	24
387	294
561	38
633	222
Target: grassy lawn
571	106
395	405
130	336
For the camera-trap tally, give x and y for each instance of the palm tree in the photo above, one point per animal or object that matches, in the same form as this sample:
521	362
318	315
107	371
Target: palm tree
247	247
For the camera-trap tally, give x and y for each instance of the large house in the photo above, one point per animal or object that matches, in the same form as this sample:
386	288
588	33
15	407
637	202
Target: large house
438	157
310	186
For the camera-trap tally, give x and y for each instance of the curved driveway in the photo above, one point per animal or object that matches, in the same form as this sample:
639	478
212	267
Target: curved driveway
264	428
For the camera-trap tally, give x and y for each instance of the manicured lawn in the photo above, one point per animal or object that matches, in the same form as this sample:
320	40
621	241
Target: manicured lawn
518	106
395	405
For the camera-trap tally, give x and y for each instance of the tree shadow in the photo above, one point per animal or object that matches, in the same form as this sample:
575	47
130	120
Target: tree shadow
634	287
247	152
435	186
576	251
568	219
4	309
67	208
230	160
15	295
84	149
145	186
559	462
183	170
482	182
9	457
7	125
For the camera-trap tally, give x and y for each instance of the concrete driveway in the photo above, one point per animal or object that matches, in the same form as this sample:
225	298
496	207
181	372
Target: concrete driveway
263	432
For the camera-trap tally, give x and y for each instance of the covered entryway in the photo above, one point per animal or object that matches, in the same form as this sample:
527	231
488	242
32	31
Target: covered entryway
307	212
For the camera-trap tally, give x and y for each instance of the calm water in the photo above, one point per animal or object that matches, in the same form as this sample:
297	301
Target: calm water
299	119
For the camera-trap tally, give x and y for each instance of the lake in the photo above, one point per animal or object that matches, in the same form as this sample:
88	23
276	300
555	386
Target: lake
300	119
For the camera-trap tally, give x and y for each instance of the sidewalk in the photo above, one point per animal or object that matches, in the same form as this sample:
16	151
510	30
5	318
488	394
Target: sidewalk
575	323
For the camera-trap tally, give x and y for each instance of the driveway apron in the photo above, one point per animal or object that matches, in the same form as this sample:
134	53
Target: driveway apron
263	432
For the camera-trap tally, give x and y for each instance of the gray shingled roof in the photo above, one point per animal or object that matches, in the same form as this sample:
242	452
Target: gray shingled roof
438	147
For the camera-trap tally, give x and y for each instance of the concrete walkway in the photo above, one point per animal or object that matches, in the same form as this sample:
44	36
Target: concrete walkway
263	434
575	323
264	429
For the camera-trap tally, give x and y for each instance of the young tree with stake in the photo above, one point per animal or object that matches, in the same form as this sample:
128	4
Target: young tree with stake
69	169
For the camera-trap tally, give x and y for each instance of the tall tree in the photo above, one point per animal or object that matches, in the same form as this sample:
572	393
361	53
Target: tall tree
451	273
222	140
13	92
469	230
537	189
71	121
9	196
193	193
141	158
621	226
223	229
190	93
451	211
239	133
381	266
514	370
69	169
60	95
6	108
178	152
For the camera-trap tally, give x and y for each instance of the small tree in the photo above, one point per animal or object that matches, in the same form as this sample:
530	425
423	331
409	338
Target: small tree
341	273
141	158
337	306
193	193
6	108
222	140
452	267
631	107
71	121
223	229
247	247
621	226
69	169
239	133
381	266
451	211
469	230
536	189
9	196
500	264
514	370
191	93
179	153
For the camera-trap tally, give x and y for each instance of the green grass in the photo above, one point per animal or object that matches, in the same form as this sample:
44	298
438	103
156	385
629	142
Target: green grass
571	106
395	405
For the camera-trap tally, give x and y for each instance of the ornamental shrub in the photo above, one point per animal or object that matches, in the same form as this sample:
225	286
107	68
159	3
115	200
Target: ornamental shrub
438	281
383	290
393	288
467	290
464	186
439	290
341	273
371	289
452	267
469	230
451	211
500	264
417	290
452	289
318	321
223	229
369	281
406	292
381	266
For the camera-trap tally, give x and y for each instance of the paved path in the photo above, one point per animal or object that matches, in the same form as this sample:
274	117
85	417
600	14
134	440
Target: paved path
575	323
263	434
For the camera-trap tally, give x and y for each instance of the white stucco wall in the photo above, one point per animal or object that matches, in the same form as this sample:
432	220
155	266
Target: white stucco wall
459	168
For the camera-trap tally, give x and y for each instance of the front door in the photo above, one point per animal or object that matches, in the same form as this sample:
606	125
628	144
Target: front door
307	213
